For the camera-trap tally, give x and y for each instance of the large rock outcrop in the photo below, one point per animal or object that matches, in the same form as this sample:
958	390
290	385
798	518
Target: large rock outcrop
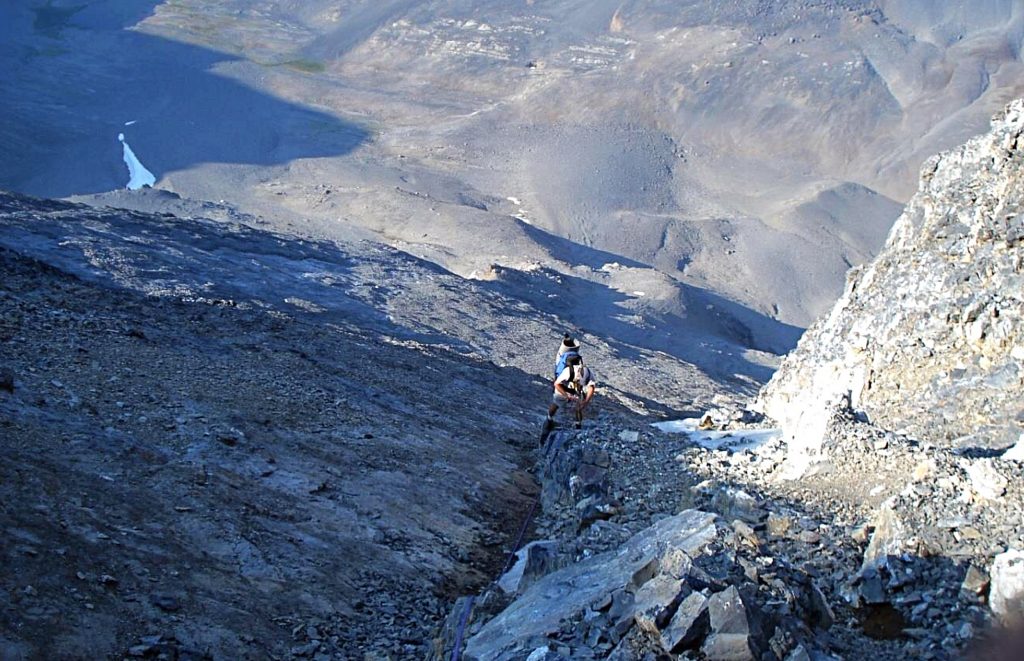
928	338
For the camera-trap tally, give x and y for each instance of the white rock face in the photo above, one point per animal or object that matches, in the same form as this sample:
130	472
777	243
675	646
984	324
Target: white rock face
1016	453
985	479
1006	596
926	337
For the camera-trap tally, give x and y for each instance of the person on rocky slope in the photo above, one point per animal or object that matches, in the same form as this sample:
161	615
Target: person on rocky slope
575	384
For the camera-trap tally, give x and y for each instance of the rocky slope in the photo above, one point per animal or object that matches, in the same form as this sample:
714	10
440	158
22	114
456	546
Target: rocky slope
893	543
928	338
655	135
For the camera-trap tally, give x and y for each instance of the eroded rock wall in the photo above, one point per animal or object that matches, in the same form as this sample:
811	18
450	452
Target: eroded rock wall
928	338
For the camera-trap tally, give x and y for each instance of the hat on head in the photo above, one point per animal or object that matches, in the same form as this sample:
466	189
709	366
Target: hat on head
569	343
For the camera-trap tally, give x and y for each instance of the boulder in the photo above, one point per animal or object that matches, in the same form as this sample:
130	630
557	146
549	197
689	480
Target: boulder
533	561
688	625
1006	592
568	593
986	481
733	633
657	601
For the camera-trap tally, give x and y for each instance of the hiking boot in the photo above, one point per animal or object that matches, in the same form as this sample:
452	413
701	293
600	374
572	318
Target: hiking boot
578	425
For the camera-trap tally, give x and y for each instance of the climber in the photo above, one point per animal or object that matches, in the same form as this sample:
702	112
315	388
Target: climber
575	384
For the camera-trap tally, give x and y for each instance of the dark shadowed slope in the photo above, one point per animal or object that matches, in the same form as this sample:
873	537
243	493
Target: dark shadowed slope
73	80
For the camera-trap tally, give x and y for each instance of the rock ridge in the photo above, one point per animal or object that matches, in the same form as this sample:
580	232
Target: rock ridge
928	338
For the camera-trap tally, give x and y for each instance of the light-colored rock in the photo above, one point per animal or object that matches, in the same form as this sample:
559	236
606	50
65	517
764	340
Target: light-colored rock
986	481
1016	452
888	539
557	597
1006	594
656	601
921	338
689	624
533	560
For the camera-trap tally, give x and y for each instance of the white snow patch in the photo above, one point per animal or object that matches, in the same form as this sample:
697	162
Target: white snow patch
138	175
736	440
130	122
515	200
639	293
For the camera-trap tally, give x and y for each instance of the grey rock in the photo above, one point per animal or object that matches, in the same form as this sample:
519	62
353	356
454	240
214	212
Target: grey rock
688	626
656	602
533	561
568	592
799	653
871	589
738	504
1006	593
923	339
728	647
165	601
728	613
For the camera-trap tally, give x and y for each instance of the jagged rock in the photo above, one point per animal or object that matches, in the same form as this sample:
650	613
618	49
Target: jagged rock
986	481
799	653
820	612
533	561
1006	594
567	593
870	588
732	632
746	533
688	625
778	525
676	563
570	474
888	538
656	602
598	509
975	582
544	653
924	336
738	504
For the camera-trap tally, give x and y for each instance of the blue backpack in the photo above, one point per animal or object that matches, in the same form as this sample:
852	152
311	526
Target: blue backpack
560	363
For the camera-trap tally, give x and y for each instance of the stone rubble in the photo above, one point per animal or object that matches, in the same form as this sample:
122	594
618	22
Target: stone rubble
903	536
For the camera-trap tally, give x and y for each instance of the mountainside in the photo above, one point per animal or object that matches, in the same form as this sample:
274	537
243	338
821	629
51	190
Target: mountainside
929	337
882	521
750	150
285	402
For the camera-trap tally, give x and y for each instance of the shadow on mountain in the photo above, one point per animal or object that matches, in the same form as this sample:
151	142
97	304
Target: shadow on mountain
712	332
574	253
74	78
713	343
221	264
